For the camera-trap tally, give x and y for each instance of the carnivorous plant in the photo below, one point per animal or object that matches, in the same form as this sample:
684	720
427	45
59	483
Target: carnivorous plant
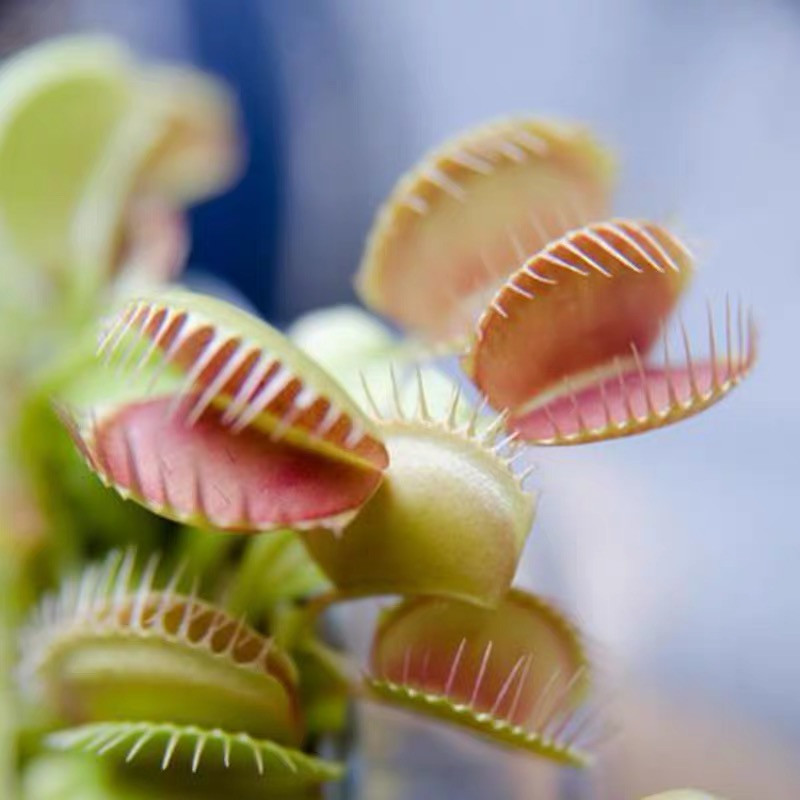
305	469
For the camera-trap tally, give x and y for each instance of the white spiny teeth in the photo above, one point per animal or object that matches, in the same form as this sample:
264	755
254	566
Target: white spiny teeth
585	257
554	724
536	144
221	364
116	598
416	204
725	366
117	332
571	740
136	332
485	429
183	332
609	249
328	421
519	290
443	181
513	151
211	349
465	158
605	236
258	372
653	241
556	261
194	749
273	387
616	229
355	435
233	363
161	329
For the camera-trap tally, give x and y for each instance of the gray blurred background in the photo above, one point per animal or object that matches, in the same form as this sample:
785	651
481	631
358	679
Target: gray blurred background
679	550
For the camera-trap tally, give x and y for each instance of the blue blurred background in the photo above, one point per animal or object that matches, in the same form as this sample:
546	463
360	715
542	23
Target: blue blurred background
680	551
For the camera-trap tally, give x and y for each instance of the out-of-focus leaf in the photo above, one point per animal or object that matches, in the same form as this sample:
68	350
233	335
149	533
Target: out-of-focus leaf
61	104
324	691
209	556
87	134
342	338
199	153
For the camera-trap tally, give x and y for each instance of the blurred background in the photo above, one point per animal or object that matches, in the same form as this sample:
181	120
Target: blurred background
679	551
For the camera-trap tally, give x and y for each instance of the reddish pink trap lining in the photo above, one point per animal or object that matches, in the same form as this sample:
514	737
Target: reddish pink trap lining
242	481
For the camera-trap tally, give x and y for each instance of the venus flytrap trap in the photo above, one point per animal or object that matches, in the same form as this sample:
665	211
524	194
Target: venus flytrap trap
112	646
222	422
451	513
517	674
579	386
454	224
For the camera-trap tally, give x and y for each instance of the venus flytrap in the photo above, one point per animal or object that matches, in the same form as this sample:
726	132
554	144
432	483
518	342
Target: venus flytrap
206	401
207	416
